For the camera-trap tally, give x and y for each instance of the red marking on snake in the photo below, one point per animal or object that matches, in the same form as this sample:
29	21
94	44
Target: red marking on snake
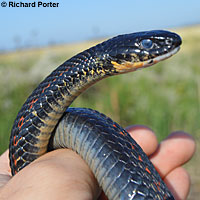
14	141
46	87
132	146
61	74
54	79
121	133
158	185
114	125
147	169
21	121
15	161
140	159
32	102
165	197
68	68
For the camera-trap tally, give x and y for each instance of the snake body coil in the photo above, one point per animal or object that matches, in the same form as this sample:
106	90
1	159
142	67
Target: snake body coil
121	167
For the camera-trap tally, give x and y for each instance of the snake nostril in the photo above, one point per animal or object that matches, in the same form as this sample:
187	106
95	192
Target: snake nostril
169	42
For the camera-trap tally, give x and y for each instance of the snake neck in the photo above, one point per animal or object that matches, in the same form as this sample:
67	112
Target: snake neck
46	105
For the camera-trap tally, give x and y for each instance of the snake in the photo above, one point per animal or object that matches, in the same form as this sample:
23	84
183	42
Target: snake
45	121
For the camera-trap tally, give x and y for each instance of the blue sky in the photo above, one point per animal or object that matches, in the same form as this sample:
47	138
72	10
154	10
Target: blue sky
79	20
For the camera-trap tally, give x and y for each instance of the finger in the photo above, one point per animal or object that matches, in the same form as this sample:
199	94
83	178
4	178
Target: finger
79	181
178	182
145	137
4	164
4	179
176	149
60	174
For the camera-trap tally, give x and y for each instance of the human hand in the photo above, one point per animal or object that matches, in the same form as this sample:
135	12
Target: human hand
62	174
168	157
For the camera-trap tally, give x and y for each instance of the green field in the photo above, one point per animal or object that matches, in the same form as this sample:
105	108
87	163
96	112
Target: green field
165	97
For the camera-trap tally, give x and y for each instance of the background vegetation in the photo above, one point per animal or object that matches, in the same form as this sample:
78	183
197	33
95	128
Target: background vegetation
165	97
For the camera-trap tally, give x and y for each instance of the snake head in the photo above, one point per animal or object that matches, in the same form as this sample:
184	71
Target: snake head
130	52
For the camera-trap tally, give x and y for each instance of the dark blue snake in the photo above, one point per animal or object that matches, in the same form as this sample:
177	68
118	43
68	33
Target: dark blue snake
45	122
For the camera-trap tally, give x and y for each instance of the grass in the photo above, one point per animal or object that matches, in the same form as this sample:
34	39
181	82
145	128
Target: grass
165	97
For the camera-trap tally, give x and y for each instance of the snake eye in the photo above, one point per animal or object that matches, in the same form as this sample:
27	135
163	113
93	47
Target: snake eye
147	44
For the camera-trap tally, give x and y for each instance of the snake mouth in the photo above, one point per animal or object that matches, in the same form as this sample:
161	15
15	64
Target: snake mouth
165	56
133	66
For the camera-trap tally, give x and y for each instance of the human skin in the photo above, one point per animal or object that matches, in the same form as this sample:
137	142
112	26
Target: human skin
62	174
